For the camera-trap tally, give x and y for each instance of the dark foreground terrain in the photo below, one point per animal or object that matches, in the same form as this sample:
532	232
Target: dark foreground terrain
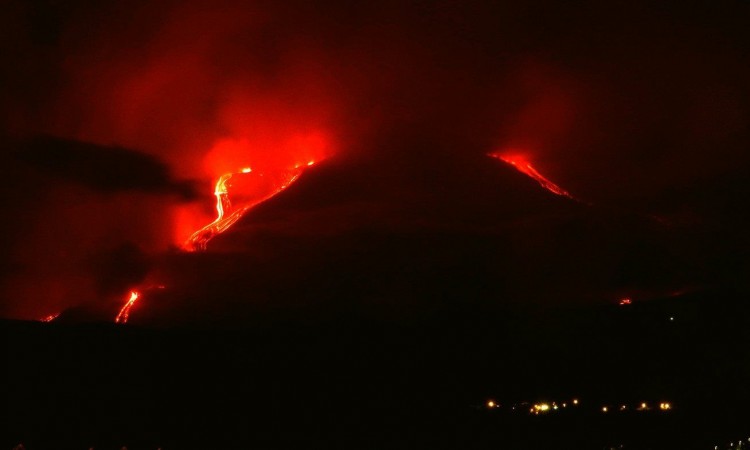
380	384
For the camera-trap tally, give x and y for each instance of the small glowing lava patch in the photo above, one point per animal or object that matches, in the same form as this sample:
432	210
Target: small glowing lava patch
49	318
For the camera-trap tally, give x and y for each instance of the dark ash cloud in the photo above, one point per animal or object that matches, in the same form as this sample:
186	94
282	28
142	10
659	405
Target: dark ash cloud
101	168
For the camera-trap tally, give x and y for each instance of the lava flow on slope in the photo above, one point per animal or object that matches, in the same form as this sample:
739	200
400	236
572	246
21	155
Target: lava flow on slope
522	164
247	189
124	313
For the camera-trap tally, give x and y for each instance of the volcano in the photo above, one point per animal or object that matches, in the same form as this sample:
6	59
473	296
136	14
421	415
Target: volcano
412	231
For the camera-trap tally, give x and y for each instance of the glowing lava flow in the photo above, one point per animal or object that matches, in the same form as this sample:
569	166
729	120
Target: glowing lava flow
49	318
227	214
122	317
249	189
525	167
199	239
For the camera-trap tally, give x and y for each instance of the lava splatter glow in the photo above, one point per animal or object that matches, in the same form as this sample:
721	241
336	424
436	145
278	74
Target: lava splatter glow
122	317
522	164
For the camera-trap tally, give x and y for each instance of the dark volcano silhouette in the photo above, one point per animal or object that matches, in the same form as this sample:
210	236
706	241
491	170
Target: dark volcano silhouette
397	292
410	234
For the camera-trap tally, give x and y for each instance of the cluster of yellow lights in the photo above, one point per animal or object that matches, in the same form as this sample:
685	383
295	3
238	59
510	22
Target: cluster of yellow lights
545	407
731	444
536	408
664	406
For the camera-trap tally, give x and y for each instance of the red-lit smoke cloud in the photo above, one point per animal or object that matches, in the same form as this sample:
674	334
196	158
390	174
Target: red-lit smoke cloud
585	90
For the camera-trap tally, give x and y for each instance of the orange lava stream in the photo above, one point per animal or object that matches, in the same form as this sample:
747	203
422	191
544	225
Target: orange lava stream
227	214
525	167
200	238
122	317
